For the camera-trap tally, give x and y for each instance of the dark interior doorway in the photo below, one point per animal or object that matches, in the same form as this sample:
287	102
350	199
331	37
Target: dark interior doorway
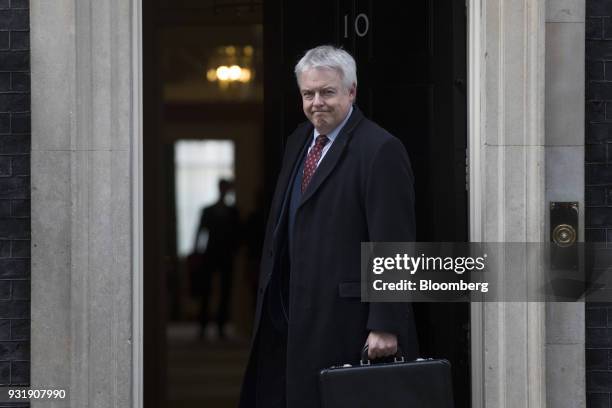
411	65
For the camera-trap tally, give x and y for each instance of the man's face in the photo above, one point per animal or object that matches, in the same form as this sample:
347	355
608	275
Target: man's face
326	101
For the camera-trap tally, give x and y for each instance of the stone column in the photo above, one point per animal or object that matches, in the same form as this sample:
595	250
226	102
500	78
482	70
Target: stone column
564	149
84	147
507	191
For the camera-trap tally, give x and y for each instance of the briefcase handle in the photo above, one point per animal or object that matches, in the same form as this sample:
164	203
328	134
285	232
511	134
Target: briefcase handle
398	358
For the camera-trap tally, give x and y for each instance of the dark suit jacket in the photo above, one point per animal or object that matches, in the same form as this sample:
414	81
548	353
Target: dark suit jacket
361	191
223	224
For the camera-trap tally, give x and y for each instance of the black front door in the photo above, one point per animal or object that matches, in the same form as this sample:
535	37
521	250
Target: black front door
411	69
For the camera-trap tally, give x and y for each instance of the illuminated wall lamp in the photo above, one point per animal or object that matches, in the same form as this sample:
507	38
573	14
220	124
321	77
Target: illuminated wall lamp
229	74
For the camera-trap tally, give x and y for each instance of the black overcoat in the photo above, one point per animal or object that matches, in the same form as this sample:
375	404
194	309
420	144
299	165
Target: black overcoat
361	191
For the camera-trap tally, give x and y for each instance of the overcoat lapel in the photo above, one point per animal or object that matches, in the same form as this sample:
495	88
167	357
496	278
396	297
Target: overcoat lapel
333	156
294	152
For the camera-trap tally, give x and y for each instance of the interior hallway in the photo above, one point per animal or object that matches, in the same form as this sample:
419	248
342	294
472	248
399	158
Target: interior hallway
203	374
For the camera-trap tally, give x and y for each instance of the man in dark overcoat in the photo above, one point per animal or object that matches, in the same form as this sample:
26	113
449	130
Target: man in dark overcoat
344	180
222	223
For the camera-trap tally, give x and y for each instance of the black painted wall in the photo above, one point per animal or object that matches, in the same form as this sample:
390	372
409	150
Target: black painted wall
598	194
14	193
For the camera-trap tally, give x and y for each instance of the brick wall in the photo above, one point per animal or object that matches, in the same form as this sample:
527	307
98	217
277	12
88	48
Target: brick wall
14	193
598	194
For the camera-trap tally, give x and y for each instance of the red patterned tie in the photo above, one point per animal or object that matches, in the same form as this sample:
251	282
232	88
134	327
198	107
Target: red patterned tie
310	166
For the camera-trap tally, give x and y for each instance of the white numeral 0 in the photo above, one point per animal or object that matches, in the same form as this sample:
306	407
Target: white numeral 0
363	17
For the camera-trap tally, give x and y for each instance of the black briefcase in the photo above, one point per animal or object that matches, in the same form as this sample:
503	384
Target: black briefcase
398	384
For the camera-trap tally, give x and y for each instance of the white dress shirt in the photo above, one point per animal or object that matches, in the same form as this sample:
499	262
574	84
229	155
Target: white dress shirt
331	136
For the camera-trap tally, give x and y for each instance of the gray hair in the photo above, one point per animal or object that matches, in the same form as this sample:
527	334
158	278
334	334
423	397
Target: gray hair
330	57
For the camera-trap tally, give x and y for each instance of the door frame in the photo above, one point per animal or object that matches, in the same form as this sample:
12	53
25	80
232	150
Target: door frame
474	179
475	126
137	208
